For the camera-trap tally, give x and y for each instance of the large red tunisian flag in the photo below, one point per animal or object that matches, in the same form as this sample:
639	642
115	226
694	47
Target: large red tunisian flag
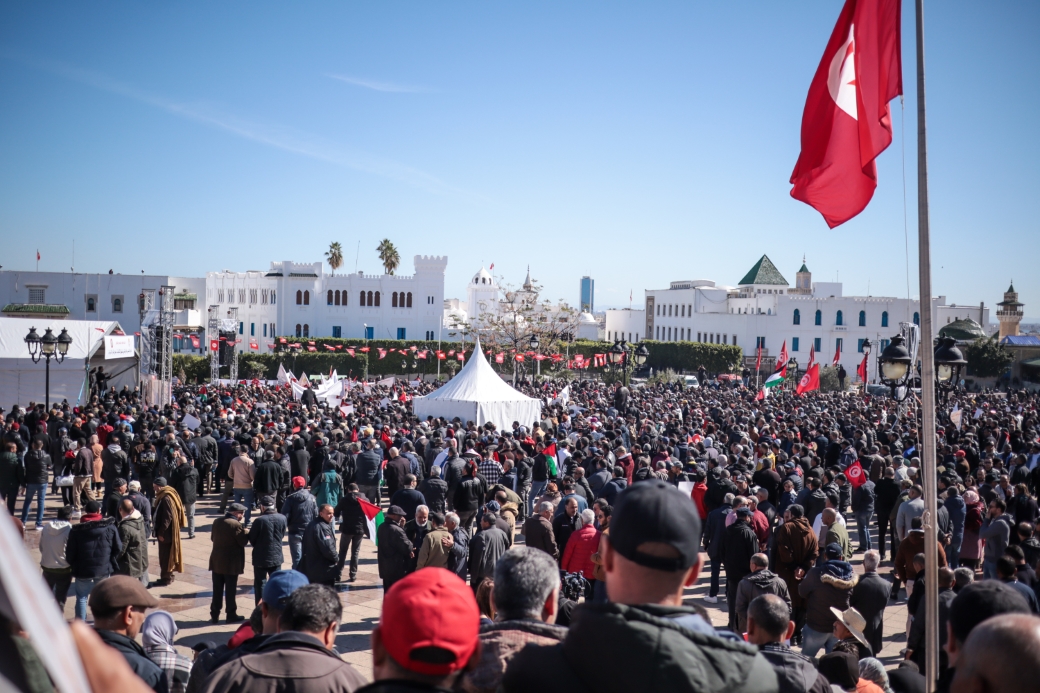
810	380
846	123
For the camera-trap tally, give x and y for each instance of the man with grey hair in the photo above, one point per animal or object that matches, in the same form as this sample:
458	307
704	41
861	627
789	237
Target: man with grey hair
458	559
759	581
870	597
538	530
526	595
435	490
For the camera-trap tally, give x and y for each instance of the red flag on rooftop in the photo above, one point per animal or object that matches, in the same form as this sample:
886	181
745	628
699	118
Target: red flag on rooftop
846	123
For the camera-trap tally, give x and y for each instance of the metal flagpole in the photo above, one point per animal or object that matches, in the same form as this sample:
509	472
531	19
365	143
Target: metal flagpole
927	432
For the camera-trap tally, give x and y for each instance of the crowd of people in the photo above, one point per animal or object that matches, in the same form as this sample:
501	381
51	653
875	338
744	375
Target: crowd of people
580	536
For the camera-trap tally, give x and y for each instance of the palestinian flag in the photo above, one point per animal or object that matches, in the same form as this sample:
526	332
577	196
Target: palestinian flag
775	380
374	516
550	460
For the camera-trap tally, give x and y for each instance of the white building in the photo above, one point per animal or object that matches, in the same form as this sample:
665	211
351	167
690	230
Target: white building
289	299
625	323
765	310
99	297
301	300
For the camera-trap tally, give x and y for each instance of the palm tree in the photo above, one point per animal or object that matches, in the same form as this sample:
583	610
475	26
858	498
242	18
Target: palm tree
388	255
334	256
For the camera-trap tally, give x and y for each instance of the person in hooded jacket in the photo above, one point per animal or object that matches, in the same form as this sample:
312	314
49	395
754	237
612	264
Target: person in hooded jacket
93	552
827	585
299	510
644	639
133	557
56	569
269	477
759	581
157	636
615	486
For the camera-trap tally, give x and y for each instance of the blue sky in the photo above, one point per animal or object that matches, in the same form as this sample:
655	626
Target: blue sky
638	143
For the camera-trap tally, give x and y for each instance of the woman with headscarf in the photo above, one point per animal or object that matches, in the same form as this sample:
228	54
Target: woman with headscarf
971	547
872	670
157	635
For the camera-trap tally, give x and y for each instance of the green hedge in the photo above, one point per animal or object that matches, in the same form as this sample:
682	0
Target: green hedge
679	356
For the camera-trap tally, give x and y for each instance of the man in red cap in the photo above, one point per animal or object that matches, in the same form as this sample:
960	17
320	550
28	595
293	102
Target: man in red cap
433	638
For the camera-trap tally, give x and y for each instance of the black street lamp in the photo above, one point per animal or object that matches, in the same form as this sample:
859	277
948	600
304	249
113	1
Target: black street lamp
948	364
894	367
618	358
48	347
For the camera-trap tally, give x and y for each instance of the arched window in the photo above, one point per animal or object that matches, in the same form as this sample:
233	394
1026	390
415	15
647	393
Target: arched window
917	318
306	330
377	299
299	330
393	300
362	300
839	319
409	299
339	297
369	303
884	319
117	305
272	297
91	305
819	317
329	299
863	318
797	317
299	297
306	298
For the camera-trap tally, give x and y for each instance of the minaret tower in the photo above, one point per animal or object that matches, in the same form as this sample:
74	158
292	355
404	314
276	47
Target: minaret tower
1009	313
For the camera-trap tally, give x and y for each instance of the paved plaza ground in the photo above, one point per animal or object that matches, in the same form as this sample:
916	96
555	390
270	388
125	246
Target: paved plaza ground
188	598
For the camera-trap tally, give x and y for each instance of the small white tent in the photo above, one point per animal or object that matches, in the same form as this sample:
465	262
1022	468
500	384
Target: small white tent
477	393
22	381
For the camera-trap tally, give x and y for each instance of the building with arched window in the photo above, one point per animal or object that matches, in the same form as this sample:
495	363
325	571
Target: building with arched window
762	308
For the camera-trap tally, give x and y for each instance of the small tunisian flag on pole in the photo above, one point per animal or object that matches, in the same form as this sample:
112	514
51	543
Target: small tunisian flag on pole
861	370
758	359
837	353
846	123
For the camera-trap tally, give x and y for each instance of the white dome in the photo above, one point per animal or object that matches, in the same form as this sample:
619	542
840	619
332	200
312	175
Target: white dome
586	318
483	277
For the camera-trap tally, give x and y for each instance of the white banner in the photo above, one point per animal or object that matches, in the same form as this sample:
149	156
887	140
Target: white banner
119	347
191	421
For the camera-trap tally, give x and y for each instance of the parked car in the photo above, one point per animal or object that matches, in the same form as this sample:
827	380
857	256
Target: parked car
691	381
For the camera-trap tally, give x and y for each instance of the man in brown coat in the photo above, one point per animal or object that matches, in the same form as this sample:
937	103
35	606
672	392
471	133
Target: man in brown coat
169	518
227	561
436	545
538	531
796	550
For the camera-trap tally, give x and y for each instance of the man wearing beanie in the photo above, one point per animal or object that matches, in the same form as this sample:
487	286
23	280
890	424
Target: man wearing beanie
644	638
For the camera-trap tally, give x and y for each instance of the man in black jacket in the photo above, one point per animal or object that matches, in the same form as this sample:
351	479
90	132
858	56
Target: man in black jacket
37	475
118	604
185	481
320	560
870	597
353	523
207	448
266	534
644	638
739	544
713	542
92	552
435	490
394	551
886	495
269	477
370	470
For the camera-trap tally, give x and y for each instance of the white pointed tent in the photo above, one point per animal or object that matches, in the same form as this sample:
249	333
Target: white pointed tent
477	393
22	381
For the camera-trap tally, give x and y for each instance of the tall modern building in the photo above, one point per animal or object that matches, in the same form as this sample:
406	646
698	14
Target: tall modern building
588	294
